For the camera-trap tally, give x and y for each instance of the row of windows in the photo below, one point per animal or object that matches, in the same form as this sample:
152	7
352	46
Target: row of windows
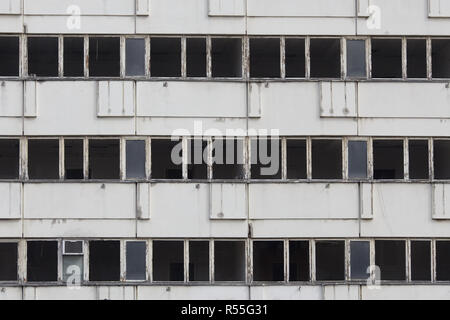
226	260
218	57
225	159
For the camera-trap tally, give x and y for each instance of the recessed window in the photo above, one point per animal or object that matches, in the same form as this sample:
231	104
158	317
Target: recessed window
327	159
9	158
356	59
330	260
104	159
136	254
357	159
388	159
268	261
43	159
229	261
197	156
440	50
418	159
42	261
441	159
359	259
135	159
104	260
325	55
420	260
9	56
43	56
196	57
73	57
265	58
390	257
135	57
443	260
226	55
228	159
165	57
295	58
8	261
416	61
299	261
266	159
198	260
104	56
73	158
168	260
386	58
296	159
166	159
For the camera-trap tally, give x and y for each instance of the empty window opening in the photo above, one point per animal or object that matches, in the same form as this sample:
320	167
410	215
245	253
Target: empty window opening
268	261
74	159
295	58
359	259
166	159
43	56
330	260
418	159
104	260
73	247
165	57
296	159
441	150
265	58
73	261
73	57
196	57
386	58
356	59
168	260
135	160
8	261
299	261
390	257
104	159
135	57
443	260
136	255
198	261
266	159
197	159
9	159
388	159
327	159
357	159
226	56
42	261
9	56
325	55
420	260
43	159
440	49
416	61
104	57
229	261
228	159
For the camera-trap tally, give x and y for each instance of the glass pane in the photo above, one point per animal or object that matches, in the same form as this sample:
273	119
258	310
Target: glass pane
73	268
356	58
136	260
359	259
135	57
136	159
357	159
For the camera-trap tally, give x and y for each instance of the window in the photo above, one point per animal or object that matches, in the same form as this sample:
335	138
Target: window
135	159
228	159
73	261
43	56
295	58
9	159
420	260
135	57
9	56
298	260
441	158
440	51
196	57
104	260
356	59
229	261
390	257
73	57
268	261
296	159
357	159
388	159
42	261
168	260
265	58
104	159
226	56
327	159
8	261
443	260
266	159
165	57
136	265
359	259
386	58
325	55
198	261
43	159
166	159
418	159
330	260
416	60
73	159
197	156
104	57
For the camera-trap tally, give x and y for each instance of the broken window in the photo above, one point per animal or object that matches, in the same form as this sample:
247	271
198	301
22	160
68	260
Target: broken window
104	56
135	161
418	159
74	159
228	159
104	159
165	57
9	158
359	259
196	57
357	159
104	260
295	58
226	55
43	159
420	260
330	260
388	159
356	59
441	150
268	261
166	159
43	56
440	50
135	57
198	260
298	260
42	261
8	261
73	57
386	58
136	255
168	260
229	261
416	60
266	159
325	56
9	56
296	159
265	58
73	261
390	257
197	156
443	260
326	159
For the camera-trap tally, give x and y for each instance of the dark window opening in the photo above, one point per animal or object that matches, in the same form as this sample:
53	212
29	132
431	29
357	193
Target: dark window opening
73	57
386	58
357	159
327	159
104	159
443	260
135	57
356	59
136	266
325	55
226	55
390	257
229	261
299	261
330	260
388	159
197	156
295	58
43	56
166	159
268	261
265	58
74	159
198	261
416	58
104	57
104	260
266	159
441	150
9	56
168	260
196	57
135	161
296	159
165	57
440	53
9	159
43	159
359	259
73	247
418	159
42	261
8	261
228	159
420	260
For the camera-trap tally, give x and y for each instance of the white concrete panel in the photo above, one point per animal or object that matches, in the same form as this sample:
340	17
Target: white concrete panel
30	100
11	126
10	7
11	24
406	292
115	293
363	8
404	127
116	99
226	8
228	201
438	8
341	292
365	198
255	99
10	201
59	293
193	293
10	293
11	99
11	228
87	7
441	201
338	99
286	293
142	7
143	201
79	201
304	201
301	8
